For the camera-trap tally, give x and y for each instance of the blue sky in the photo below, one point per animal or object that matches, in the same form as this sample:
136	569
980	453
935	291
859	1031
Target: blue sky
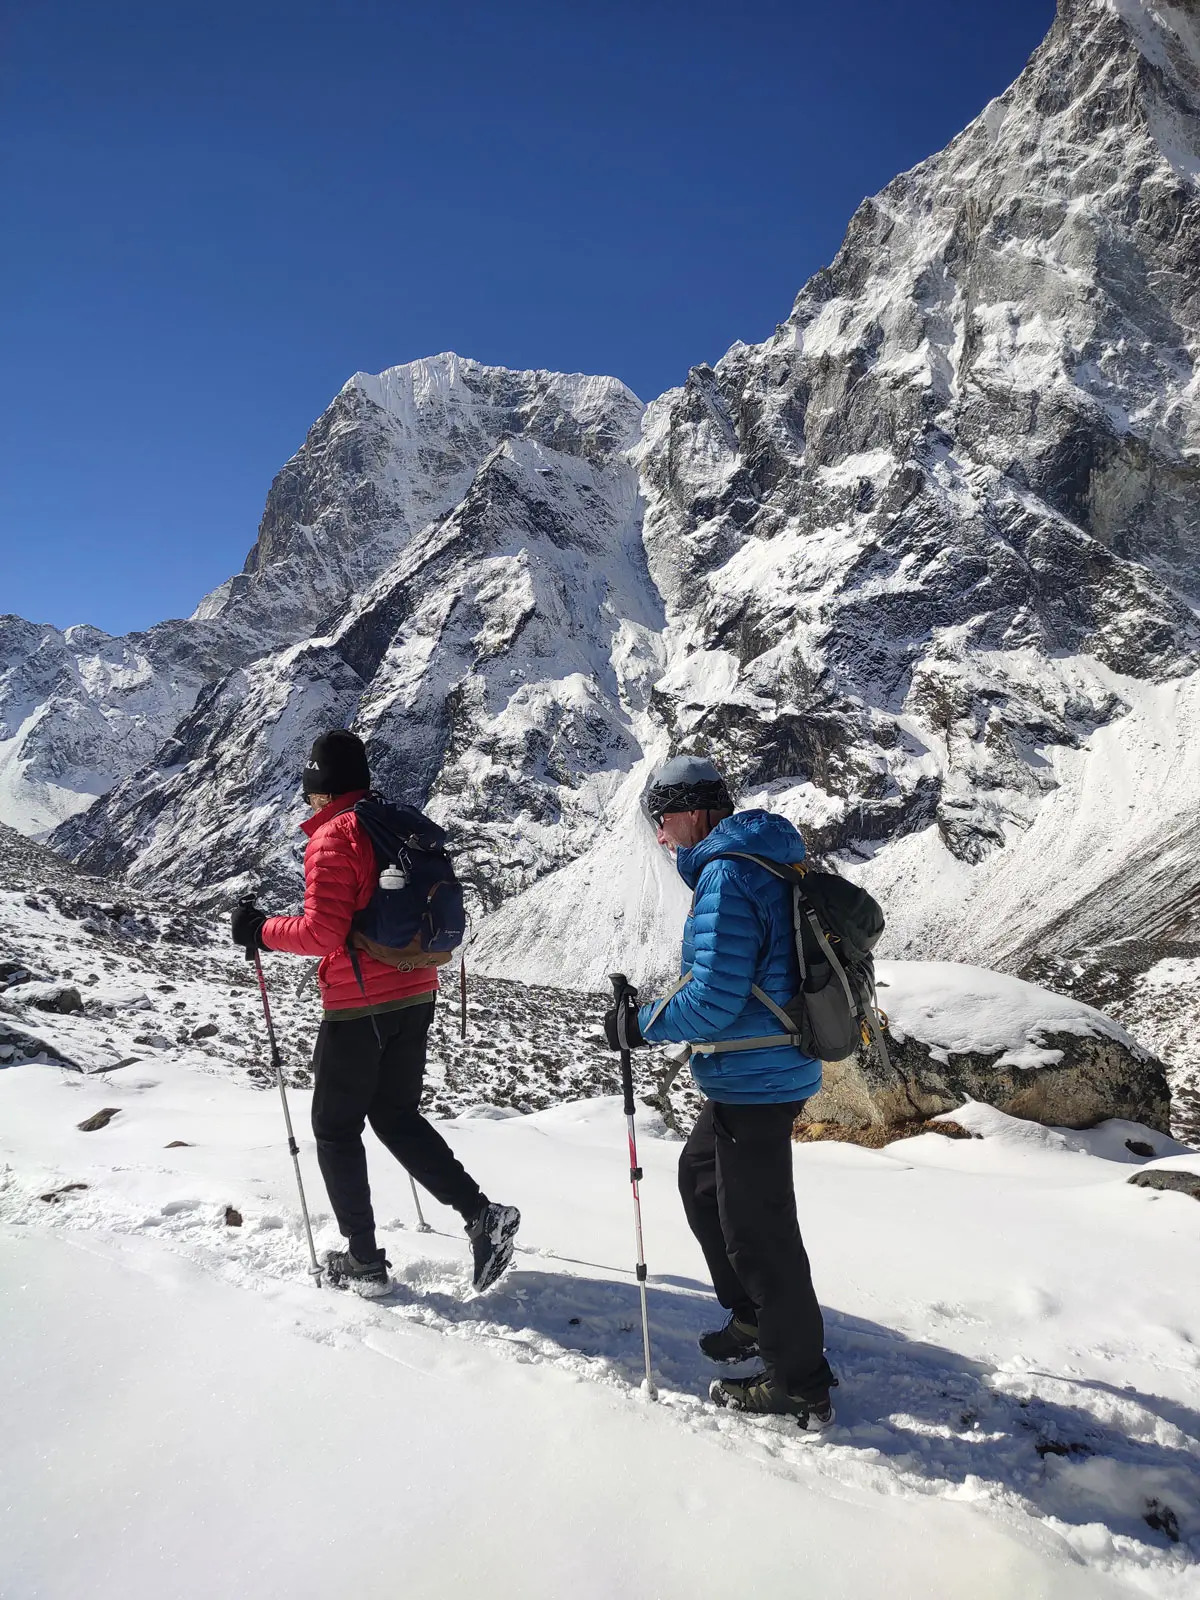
216	213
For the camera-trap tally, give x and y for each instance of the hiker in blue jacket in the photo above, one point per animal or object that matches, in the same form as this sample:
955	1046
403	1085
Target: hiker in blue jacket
735	1172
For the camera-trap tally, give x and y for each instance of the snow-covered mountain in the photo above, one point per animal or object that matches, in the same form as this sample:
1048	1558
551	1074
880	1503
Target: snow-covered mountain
80	710
489	665
922	570
393	453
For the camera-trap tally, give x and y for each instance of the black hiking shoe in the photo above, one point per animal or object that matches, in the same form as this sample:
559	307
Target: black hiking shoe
762	1395
346	1271
491	1234
736	1341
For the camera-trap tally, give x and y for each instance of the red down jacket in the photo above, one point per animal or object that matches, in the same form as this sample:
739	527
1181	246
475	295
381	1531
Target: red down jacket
340	876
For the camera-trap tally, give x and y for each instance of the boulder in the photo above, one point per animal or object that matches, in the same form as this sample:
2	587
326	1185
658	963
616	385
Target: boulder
957	1032
17	1047
1181	1174
60	997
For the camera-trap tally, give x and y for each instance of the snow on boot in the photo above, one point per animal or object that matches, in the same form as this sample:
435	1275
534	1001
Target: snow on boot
762	1395
345	1271
491	1234
736	1341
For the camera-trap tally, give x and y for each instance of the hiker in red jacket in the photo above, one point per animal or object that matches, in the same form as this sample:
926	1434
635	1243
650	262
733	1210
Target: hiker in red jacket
369	1061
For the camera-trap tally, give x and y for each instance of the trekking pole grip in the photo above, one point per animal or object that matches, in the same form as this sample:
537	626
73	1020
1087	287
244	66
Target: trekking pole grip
620	983
251	955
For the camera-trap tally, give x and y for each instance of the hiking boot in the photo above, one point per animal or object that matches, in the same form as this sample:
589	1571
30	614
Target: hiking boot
345	1271
762	1395
491	1234
736	1341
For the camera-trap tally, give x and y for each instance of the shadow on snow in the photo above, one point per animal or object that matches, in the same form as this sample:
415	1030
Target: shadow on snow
906	1408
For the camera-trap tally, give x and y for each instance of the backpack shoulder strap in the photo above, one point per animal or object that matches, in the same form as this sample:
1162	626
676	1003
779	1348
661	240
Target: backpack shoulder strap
785	872
668	997
789	872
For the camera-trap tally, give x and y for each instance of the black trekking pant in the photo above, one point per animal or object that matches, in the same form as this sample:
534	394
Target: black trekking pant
370	1069
736	1181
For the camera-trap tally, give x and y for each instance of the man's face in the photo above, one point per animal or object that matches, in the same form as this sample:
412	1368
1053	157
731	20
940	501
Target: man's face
680	830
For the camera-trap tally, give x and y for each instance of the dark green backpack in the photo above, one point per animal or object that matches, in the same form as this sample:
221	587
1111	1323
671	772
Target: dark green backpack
837	926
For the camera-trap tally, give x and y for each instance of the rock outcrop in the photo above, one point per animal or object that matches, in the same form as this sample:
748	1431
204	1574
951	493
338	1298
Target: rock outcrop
958	1033
1171	1177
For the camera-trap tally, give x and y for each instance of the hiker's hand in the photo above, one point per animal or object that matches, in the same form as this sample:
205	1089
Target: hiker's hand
247	926
621	1022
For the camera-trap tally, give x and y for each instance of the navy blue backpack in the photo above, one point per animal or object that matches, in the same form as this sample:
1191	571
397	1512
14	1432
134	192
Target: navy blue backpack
416	916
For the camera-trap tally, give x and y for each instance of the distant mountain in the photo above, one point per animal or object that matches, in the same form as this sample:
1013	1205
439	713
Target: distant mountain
922	571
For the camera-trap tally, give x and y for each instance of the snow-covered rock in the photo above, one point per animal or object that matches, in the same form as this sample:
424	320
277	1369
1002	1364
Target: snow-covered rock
957	1032
61	997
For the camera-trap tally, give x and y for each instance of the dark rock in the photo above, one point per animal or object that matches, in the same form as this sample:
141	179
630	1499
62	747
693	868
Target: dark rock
876	1135
17	1047
55	1195
207	1030
59	997
1162	1519
99	1119
1165	1179
233	1217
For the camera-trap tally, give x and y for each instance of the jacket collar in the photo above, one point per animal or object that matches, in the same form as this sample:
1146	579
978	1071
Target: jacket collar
339	803
761	833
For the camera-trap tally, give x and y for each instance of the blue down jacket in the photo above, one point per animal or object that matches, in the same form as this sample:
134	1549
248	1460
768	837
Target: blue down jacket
739	933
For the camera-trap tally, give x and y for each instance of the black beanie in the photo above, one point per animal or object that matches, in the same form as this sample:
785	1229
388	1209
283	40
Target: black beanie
337	763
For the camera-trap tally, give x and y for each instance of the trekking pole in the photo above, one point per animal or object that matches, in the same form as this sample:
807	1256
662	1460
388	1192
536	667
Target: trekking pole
422	1225
620	983
277	1063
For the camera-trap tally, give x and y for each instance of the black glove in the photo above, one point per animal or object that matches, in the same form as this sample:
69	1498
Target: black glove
247	926
621	1023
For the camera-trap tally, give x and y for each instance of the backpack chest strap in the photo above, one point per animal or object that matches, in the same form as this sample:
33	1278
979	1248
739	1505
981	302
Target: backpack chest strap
768	1042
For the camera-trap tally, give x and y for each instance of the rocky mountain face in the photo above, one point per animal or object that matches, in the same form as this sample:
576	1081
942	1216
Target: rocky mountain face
930	555
393	453
970	454
921	570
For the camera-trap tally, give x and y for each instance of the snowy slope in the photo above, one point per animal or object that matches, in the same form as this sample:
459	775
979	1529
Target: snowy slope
1005	1428
1013	1324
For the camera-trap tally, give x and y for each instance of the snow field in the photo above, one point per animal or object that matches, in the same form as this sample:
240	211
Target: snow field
1017	1332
